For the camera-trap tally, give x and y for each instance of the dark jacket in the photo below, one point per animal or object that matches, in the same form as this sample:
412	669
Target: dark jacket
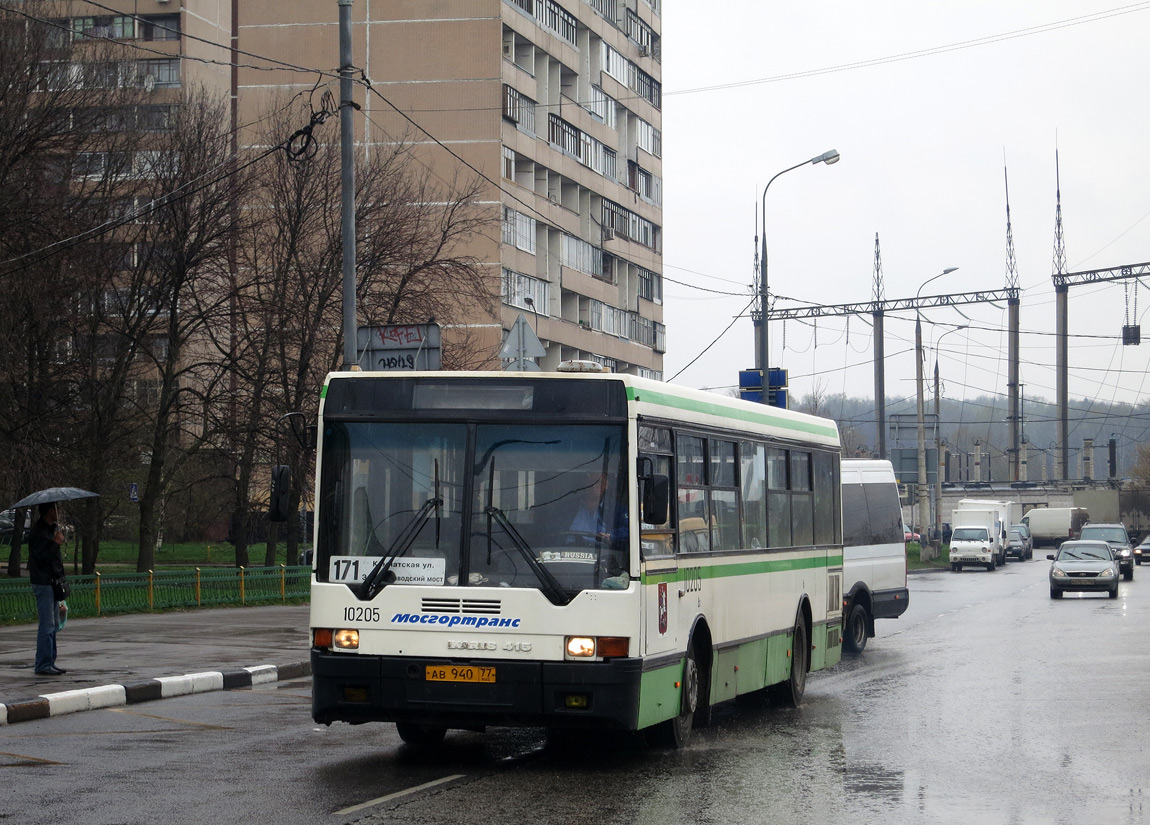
44	559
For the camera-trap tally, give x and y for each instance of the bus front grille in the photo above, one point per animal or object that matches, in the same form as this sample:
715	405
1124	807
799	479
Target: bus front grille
485	606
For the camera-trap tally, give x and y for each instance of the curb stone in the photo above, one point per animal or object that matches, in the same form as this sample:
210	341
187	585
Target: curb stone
106	696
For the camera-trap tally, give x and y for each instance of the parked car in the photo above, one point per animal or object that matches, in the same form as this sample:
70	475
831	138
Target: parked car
1025	530
908	535
1083	565
8	526
1114	534
1016	545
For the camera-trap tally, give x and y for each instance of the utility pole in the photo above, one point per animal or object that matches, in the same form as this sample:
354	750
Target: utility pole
879	354
1061	345
1012	385
347	185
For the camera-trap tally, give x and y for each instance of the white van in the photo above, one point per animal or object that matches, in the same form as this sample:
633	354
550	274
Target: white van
874	553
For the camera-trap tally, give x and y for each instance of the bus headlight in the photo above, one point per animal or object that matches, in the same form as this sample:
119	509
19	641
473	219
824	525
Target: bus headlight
581	647
346	640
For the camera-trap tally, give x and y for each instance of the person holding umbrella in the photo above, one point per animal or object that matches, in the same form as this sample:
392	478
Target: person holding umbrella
45	565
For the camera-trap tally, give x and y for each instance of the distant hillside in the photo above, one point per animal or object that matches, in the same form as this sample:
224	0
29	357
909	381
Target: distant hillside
984	421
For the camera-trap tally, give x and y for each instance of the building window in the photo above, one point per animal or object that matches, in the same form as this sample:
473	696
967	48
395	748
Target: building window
650	285
518	230
519	109
602	107
607	8
648	186
630	75
518	287
551	16
589	151
160	27
609	319
642	34
577	254
115	27
162	73
648	138
157	118
618	221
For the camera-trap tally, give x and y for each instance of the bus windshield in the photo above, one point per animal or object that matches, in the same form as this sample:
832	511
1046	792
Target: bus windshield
480	505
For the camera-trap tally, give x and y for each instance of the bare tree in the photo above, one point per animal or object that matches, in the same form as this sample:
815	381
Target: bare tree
186	255
65	132
410	269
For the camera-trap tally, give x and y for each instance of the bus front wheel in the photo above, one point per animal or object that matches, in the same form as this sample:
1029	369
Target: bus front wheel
675	733
420	736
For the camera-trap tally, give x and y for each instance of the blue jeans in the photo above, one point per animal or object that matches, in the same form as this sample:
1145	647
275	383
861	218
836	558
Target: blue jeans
48	610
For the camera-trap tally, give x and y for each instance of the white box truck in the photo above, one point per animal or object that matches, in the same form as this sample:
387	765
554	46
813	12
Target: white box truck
973	538
874	553
1050	526
1004	511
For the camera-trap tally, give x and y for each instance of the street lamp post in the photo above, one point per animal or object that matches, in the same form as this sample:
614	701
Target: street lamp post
828	157
938	435
923	498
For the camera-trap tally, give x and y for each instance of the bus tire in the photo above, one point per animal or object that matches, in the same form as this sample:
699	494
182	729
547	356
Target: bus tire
676	732
420	736
855	637
790	692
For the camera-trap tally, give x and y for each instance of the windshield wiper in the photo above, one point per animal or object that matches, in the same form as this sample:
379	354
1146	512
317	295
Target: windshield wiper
377	579
551	587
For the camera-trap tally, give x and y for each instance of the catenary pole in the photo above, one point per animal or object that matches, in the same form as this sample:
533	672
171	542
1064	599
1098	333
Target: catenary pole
347	185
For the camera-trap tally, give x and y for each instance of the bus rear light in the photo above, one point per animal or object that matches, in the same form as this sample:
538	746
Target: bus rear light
321	637
577	701
346	639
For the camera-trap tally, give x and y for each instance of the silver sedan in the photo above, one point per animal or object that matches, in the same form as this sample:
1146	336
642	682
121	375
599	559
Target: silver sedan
1083	565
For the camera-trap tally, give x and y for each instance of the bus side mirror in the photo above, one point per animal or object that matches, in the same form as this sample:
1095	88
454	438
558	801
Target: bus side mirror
281	493
656	497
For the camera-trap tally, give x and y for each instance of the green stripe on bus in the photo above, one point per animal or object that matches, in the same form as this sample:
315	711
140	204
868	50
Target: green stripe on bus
753	416
750	568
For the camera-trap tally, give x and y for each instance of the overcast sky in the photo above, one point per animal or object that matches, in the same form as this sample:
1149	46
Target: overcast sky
753	87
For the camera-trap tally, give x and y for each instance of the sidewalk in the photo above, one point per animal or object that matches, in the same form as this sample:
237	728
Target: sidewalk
137	657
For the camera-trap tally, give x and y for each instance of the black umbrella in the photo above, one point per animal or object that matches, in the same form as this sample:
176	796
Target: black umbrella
54	494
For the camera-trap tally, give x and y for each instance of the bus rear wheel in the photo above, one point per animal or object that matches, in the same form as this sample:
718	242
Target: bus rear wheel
790	692
675	733
854	640
420	736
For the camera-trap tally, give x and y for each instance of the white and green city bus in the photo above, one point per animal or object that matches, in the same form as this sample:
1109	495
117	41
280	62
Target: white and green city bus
566	550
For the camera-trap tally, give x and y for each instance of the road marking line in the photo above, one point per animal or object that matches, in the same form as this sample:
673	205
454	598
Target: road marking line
398	794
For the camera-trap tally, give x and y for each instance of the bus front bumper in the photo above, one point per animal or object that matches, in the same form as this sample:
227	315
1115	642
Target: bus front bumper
360	688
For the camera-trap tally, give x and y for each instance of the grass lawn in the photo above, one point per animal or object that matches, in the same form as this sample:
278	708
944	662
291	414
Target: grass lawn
117	556
913	562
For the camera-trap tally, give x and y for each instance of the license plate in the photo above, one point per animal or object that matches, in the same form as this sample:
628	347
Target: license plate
451	673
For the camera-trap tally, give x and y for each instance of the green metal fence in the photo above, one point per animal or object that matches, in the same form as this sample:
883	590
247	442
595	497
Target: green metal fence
103	594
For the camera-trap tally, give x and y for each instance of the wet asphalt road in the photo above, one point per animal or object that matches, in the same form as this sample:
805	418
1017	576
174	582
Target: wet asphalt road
986	703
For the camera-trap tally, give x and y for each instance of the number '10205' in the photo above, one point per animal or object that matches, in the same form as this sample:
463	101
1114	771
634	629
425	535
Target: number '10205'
361	614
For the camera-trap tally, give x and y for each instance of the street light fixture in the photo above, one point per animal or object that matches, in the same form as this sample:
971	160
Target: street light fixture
829	157
923	498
